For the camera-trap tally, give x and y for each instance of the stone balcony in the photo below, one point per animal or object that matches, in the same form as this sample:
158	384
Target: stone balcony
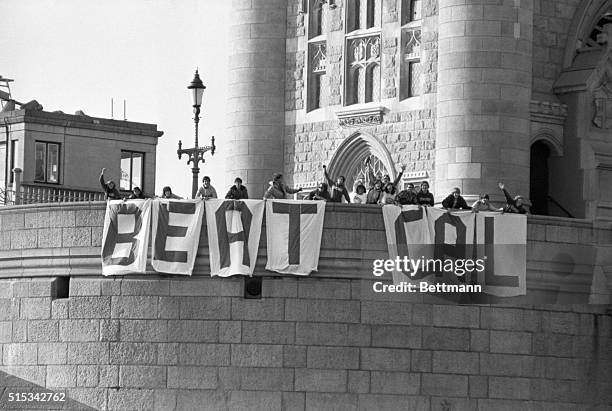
568	260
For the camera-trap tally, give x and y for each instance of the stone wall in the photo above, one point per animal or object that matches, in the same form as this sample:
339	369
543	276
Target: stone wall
307	344
408	128
552	20
409	137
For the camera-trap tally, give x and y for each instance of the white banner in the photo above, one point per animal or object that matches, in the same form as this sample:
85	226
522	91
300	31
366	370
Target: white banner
459	248
176	235
408	234
234	229
293	231
125	237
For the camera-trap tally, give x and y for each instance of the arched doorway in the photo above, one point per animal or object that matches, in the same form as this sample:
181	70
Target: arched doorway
539	177
349	159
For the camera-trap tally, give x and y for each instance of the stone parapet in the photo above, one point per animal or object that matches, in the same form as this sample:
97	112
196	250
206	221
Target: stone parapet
567	259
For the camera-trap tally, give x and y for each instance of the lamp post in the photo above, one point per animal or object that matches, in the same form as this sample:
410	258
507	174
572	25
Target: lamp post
196	154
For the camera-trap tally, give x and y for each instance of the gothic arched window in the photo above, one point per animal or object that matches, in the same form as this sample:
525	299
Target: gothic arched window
363	45
410	49
316	78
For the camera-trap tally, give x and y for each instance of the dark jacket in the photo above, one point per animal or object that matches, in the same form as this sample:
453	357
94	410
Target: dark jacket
111	193
337	191
425	198
133	196
511	206
449	202
374	196
406	197
318	195
237	194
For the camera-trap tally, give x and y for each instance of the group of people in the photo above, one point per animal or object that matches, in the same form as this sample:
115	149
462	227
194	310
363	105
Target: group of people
380	190
206	191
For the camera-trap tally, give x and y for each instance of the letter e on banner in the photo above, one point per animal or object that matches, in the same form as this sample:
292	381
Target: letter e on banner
125	237
176	235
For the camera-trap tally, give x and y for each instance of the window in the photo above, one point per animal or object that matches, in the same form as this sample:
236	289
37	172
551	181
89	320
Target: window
132	170
410	76
411	11
46	160
410	64
362	51
316	78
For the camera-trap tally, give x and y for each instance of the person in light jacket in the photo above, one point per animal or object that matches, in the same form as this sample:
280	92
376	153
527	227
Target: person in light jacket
278	189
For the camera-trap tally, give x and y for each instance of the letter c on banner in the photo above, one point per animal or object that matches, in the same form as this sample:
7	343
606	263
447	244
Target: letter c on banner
113	237
400	232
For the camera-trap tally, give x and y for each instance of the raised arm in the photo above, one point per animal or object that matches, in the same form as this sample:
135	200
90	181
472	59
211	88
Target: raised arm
399	176
327	178
371	175
290	190
509	198
102	183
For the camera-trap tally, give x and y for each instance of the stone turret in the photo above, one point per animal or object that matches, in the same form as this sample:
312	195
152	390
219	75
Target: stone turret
256	92
484	91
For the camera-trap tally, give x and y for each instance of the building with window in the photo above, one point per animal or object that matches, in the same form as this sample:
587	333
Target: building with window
60	155
465	94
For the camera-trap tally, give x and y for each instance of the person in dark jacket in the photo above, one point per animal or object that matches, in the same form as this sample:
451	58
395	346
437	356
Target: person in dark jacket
339	190
407	196
424	197
168	194
137	194
518	204
455	201
320	193
278	189
237	191
376	193
110	188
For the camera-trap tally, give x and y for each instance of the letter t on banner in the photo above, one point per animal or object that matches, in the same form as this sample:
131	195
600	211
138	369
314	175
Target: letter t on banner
293	230
176	235
126	237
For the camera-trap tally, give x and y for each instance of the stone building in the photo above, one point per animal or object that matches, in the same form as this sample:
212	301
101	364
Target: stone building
465	93
60	155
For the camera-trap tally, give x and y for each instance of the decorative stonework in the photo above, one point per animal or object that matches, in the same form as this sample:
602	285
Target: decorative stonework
602	99
548	112
360	117
364	51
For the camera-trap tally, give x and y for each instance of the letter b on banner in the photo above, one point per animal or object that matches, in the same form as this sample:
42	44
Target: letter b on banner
125	238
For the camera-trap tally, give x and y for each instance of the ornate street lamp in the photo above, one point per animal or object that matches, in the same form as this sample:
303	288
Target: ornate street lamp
196	154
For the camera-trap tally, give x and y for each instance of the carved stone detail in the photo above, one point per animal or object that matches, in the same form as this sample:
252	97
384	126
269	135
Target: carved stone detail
360	117
602	100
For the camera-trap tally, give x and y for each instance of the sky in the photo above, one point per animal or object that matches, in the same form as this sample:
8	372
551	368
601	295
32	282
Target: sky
74	55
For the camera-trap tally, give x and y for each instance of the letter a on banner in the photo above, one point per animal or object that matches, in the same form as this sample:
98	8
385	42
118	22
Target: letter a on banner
125	237
293	230
176	235
234	229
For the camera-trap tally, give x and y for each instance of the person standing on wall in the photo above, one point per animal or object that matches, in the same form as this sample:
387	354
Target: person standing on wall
339	190
278	190
206	191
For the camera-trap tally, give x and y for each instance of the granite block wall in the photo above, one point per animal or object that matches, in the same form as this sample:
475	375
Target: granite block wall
307	344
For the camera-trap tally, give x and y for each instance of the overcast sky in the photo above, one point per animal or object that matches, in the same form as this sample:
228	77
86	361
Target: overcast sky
78	54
